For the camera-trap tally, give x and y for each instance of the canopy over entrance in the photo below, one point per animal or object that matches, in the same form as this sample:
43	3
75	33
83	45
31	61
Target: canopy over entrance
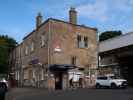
61	67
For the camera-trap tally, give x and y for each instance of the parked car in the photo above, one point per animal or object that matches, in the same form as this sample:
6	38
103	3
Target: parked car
111	81
4	81
3	90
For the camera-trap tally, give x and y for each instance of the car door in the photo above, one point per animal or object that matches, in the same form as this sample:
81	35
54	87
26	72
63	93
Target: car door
104	81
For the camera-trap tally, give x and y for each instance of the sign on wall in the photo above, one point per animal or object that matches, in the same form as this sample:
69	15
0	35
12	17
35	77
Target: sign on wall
57	49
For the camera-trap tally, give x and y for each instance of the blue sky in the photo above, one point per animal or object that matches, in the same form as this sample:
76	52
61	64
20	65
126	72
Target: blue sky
17	17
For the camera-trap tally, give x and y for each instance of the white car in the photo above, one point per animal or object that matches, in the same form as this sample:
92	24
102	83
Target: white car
4	81
110	81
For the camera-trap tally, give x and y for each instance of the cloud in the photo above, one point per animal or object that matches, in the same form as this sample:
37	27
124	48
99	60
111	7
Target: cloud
97	10
103	10
103	14
123	5
109	14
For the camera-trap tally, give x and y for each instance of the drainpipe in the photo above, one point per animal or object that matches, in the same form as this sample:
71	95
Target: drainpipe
49	35
97	52
21	70
98	49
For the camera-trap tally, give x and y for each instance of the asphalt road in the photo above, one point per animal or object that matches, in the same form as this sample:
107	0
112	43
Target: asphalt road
79	94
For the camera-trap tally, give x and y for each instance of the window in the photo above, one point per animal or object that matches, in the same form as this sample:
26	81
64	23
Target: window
26	50
30	74
115	77
79	38
42	74
102	78
33	74
73	60
42	40
86	42
79	41
32	47
82	41
25	75
17	75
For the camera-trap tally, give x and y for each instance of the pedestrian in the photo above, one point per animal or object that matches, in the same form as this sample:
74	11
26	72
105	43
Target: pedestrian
81	82
3	90
71	83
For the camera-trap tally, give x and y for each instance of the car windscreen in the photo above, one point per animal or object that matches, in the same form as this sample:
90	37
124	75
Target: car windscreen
114	77
102	78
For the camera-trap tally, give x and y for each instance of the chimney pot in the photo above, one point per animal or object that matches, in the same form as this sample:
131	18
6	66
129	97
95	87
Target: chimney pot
73	15
38	20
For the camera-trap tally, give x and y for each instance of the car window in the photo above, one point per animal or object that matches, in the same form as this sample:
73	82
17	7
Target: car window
102	78
114	77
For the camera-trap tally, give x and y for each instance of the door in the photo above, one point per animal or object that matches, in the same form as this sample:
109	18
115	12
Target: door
104	81
58	81
126	67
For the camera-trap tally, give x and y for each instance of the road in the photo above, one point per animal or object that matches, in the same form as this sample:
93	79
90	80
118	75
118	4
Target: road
79	94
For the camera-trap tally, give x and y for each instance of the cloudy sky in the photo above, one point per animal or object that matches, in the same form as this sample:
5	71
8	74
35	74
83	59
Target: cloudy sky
17	17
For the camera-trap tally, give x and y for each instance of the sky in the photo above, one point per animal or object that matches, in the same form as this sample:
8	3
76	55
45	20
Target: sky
17	17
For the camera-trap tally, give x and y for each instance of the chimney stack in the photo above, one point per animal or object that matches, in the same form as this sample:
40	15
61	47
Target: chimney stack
73	16
38	20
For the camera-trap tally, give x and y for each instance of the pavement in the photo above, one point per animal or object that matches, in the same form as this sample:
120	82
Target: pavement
78	94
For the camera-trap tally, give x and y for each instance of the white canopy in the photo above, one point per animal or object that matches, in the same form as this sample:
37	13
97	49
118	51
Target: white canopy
116	42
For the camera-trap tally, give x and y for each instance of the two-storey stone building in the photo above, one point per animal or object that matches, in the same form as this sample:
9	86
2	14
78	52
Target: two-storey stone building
52	50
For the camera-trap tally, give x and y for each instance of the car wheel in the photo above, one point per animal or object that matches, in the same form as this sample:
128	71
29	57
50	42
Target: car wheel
113	86
98	86
125	87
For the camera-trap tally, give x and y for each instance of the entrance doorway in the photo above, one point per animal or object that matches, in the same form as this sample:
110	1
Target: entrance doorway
59	71
126	67
58	80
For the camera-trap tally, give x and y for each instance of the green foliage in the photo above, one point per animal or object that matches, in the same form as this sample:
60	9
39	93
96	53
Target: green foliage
109	34
6	45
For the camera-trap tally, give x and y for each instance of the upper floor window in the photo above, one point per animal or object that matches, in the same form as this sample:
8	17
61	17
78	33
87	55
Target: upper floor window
79	41
42	41
73	60
26	50
86	42
82	41
32	47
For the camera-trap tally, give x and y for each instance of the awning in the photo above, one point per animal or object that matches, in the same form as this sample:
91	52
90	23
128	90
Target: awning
61	67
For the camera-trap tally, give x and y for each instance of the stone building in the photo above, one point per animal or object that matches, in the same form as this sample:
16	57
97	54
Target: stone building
52	50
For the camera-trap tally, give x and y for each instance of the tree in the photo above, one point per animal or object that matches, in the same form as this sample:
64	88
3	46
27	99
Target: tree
109	34
6	46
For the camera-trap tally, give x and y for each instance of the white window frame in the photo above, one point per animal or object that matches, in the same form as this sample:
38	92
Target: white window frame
32	47
26	50
87	41
42	40
42	74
